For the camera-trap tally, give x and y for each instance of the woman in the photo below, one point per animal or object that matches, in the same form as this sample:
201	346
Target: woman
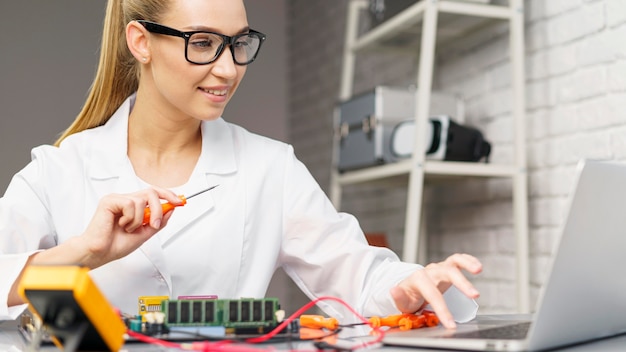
151	129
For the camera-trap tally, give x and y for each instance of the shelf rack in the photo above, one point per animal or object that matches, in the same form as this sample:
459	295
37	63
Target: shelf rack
416	28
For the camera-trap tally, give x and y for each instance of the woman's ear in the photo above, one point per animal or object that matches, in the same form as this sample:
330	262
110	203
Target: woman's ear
137	41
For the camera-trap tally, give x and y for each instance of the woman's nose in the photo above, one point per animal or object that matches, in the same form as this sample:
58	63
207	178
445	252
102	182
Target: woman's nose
225	66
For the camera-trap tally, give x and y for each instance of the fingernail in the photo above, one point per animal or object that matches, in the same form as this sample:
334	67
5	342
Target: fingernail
157	224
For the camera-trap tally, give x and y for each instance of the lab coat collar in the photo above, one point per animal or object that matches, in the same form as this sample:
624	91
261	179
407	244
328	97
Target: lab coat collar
110	146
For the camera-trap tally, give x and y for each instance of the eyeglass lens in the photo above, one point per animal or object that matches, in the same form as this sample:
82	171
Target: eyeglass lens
205	47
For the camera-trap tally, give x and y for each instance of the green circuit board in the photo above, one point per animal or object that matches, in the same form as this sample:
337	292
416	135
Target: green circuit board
229	313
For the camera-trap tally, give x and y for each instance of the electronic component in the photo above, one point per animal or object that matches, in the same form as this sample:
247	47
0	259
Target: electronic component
236	315
198	297
148	304
205	316
71	308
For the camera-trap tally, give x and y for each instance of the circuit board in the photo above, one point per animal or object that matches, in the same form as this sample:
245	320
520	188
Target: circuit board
206	316
148	304
229	313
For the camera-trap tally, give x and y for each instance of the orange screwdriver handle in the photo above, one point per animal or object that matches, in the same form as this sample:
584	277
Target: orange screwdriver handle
405	321
390	320
374	321
431	318
416	321
166	208
318	322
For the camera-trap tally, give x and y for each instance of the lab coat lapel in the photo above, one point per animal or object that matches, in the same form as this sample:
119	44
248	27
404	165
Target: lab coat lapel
109	168
196	207
217	159
113	173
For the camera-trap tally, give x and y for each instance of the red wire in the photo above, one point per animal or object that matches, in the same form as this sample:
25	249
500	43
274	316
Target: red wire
206	346
380	333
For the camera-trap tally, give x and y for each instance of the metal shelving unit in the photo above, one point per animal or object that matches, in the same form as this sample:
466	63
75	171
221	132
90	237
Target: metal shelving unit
420	27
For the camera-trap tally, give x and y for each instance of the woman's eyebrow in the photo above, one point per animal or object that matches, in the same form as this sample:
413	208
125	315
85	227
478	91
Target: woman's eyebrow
211	29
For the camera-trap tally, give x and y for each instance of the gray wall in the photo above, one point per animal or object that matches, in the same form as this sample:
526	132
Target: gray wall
48	57
260	104
47	60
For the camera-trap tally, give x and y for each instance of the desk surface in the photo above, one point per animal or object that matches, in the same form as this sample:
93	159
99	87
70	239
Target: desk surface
12	341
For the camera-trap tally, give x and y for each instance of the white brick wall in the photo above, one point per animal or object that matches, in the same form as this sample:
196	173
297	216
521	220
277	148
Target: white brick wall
616	12
576	108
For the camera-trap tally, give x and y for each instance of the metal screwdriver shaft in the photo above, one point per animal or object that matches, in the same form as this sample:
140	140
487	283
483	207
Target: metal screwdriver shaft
169	206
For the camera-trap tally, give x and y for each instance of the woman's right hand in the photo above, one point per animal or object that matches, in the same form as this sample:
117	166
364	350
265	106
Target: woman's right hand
117	227
116	230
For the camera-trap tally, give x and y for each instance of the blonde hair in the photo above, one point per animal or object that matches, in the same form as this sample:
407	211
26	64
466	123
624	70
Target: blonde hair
117	76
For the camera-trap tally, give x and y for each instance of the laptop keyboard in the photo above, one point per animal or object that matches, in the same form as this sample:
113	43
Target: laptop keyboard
506	332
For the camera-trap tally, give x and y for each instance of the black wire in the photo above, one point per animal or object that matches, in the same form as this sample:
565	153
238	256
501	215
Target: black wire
320	344
352	325
323	345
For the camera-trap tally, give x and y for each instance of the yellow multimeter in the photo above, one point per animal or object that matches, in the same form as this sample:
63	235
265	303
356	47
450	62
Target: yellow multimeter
72	308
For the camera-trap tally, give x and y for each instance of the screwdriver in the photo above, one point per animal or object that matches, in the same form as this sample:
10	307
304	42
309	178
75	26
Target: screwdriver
318	322
169	206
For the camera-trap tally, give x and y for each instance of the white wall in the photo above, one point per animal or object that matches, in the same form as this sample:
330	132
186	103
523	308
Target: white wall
576	108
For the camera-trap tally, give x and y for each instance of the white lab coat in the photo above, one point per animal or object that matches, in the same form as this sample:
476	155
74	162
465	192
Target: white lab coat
267	212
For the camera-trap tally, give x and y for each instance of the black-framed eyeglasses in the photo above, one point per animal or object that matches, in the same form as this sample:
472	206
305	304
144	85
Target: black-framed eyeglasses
203	47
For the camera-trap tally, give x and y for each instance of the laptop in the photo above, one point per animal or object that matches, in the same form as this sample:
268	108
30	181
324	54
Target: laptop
584	296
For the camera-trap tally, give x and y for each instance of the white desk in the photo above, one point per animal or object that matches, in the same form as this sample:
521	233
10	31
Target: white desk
12	341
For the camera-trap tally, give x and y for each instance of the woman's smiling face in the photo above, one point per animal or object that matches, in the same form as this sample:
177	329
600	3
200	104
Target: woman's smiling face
197	91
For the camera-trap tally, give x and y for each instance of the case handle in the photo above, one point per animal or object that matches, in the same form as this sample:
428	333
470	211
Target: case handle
367	125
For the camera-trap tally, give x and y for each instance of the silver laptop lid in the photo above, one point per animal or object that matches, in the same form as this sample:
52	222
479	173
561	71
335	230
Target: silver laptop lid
584	294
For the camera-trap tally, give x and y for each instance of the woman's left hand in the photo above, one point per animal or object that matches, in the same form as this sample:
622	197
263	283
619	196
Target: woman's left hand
426	286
